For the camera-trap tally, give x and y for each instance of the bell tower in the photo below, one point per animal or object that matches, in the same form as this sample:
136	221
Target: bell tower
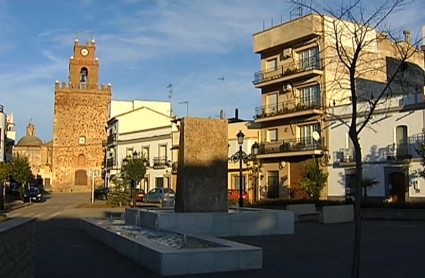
84	66
80	117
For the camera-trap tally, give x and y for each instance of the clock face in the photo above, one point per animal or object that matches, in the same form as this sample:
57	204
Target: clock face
84	52
81	140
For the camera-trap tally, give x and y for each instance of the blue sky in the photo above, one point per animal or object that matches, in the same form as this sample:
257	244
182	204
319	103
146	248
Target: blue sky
143	46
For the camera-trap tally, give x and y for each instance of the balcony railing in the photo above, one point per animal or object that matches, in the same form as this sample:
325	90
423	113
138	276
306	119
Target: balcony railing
291	145
1	108
287	70
161	161
290	106
112	138
344	156
397	152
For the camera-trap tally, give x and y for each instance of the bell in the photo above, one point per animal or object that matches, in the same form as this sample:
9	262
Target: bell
83	79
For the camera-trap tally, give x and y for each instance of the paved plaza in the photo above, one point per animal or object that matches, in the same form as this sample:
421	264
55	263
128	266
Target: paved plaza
389	249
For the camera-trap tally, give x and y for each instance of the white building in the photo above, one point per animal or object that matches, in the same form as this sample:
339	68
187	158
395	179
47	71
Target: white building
144	130
388	150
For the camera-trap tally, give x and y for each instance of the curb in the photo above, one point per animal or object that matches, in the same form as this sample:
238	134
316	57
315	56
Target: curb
16	208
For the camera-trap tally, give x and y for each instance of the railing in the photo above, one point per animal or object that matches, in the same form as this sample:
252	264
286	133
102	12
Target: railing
160	161
1	108
110	162
111	138
287	70
401	151
290	106
291	145
344	156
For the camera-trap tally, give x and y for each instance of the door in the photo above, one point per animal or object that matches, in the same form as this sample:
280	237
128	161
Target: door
398	187
159	182
273	184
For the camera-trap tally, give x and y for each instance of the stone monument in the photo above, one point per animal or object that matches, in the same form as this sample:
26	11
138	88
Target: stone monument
202	166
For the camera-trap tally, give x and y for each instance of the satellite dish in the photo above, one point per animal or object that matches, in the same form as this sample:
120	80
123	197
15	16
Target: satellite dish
316	136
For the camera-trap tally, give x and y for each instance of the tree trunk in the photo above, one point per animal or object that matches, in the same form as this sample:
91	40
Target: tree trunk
357	220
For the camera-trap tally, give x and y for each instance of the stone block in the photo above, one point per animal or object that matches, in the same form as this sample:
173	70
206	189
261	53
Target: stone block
202	166
337	214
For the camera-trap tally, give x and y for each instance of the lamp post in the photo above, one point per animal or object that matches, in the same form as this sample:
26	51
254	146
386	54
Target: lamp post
242	157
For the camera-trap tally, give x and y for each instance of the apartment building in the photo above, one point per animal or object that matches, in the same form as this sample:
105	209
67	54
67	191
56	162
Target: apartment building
144	128
298	83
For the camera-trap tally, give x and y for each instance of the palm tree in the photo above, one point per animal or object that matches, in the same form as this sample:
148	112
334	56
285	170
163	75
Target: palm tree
368	183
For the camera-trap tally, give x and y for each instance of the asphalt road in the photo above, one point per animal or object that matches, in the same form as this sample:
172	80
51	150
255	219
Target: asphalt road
389	248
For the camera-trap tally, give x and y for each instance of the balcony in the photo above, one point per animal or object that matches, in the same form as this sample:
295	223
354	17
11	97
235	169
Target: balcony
302	69
161	162
291	147
112	138
344	157
110	162
291	108
399	152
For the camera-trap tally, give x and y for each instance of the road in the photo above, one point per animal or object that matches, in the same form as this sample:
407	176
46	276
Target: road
51	206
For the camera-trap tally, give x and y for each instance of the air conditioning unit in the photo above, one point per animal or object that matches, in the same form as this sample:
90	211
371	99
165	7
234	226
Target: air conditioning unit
287	53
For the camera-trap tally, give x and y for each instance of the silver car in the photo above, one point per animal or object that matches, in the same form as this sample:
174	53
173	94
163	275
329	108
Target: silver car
160	194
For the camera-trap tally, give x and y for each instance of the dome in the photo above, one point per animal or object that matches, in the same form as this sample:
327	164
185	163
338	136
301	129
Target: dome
30	140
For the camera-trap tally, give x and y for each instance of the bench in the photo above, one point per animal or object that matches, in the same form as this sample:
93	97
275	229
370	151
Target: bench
337	214
304	212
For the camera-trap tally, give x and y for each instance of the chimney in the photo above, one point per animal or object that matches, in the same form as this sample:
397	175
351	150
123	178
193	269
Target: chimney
222	114
236	114
407	36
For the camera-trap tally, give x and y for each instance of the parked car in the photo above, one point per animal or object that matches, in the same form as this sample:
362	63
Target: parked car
234	194
32	194
160	194
101	193
140	195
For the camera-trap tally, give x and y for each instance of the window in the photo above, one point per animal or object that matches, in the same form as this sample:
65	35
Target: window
309	59
236	180
81	160
129	152
272	135
310	96
272	103
162	151
272	64
145	152
401	140
307	134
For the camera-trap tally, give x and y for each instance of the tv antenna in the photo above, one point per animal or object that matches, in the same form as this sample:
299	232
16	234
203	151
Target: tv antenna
170	96
296	10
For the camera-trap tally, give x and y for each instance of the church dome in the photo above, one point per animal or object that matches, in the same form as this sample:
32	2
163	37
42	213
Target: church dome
30	139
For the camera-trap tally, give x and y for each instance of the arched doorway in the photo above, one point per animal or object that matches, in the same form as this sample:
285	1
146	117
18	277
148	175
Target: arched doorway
398	186
80	177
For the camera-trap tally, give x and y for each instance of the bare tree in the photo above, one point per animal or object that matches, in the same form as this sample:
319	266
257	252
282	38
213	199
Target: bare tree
370	67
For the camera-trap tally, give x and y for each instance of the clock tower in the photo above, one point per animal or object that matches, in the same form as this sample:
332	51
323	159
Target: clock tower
80	117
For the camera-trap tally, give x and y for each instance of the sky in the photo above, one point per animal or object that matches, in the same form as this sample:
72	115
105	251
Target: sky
202	47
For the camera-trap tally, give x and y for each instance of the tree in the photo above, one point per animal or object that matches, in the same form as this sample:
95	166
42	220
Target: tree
134	170
313	179
20	170
4	176
368	183
120	194
254	171
353	34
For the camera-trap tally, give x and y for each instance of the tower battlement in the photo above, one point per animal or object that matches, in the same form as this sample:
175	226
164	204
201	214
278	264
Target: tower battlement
72	87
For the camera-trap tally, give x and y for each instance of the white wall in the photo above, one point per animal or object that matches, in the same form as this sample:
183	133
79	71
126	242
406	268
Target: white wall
374	140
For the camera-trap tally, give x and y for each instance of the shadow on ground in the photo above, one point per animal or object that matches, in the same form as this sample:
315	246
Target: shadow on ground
315	250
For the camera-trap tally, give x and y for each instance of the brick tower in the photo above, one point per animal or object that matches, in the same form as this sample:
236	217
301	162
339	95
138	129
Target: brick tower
80	117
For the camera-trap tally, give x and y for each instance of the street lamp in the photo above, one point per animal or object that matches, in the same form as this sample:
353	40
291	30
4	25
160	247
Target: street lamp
242	157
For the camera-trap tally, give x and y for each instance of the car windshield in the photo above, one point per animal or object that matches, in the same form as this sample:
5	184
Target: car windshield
140	191
168	190
33	189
